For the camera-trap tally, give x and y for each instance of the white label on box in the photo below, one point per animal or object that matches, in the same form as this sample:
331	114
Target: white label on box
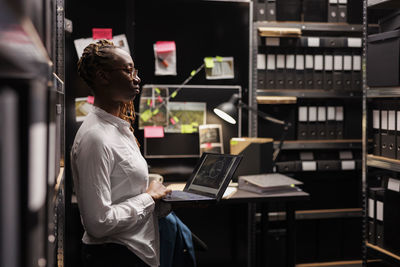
384	120
338	63
347	63
312	113
318	62
321	113
370	208
302	113
261	61
309	62
299	62
357	63
392	120
313	42
290	61
345	155
280	64
333	1
354	42
270	62
394	185
270	41
309	165
348	165
331	113
328	62
379	210
375	119
343	2
339	113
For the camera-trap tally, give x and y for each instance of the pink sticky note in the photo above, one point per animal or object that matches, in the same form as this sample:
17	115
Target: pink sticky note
172	121
102	33
165	46
159	99
90	99
153	132
208	145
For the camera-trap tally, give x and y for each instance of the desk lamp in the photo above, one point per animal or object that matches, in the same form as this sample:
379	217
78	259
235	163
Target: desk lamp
228	112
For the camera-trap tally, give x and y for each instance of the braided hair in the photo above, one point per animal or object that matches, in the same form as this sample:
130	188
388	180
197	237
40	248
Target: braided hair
97	56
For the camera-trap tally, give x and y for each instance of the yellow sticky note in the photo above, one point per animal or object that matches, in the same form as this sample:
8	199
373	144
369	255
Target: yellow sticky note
173	94
209	61
146	115
148	102
234	142
195	124
219	59
176	119
157	90
155	111
186	128
193	73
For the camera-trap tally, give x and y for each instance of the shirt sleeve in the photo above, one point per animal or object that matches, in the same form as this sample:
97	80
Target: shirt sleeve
94	163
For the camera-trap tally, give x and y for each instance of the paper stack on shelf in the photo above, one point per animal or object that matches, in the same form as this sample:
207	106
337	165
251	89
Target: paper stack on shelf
267	183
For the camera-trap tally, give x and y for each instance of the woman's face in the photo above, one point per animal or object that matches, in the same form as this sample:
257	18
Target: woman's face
122	77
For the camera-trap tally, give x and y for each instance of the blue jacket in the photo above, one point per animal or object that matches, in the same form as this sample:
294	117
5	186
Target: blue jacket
176	246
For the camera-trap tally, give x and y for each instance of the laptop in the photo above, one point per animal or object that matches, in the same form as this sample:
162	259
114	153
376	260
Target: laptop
209	179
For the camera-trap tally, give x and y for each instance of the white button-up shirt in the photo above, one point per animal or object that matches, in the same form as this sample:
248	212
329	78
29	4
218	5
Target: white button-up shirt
110	179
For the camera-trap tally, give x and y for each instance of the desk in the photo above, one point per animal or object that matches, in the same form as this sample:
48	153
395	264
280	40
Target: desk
252	200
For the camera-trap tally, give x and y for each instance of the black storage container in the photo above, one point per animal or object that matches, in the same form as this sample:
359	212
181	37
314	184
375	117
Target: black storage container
391	241
288	10
383	59
315	10
390	23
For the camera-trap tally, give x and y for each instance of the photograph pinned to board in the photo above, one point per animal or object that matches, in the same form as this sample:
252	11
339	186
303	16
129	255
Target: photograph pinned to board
83	105
219	68
153	107
118	40
210	137
164	58
185	117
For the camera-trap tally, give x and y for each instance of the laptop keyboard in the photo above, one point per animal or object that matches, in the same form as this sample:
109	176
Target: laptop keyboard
185	195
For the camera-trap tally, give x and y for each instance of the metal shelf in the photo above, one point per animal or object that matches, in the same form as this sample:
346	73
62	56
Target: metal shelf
376	92
318	214
383	163
320	144
383	4
383	254
309	93
313	26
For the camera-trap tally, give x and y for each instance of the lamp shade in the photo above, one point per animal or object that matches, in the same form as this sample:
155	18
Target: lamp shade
228	110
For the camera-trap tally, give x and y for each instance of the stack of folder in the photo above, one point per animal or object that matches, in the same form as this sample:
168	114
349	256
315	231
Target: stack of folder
268	183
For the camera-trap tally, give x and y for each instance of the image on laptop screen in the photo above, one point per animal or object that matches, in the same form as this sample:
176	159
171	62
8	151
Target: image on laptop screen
212	173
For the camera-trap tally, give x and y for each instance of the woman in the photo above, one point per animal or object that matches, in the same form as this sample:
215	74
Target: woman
116	201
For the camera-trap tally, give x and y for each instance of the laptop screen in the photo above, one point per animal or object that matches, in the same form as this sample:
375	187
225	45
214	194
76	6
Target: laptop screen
212	172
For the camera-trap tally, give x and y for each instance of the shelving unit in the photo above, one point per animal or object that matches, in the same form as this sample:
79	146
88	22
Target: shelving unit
309	93
383	254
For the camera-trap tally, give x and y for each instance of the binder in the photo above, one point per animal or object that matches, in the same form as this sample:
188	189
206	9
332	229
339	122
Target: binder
302	131
356	77
331	123
342	11
376	132
391	137
347	74
338	72
379	207
312	122
299	72
328	74
333	11
260	10
333	42
321	123
288	166
309	72
280	71
271	10
375	196
328	165
339	116
318	72
398	134
384	133
290	71
270	81
261	65
371	216
391	240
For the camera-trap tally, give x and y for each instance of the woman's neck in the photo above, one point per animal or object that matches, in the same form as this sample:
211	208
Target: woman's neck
107	105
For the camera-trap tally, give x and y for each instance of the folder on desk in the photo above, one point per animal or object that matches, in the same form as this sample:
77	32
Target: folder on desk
261	71
290	71
302	130
312	122
347	68
331	122
339	116
318	72
333	11
309	71
376	132
268	183
299	76
321	123
342	11
280	71
328	71
357	75
384	133
271	72
338	72
271	10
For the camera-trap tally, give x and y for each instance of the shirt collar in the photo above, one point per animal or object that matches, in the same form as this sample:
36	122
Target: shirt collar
114	120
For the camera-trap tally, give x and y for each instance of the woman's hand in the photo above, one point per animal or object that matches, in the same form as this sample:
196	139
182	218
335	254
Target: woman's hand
157	190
